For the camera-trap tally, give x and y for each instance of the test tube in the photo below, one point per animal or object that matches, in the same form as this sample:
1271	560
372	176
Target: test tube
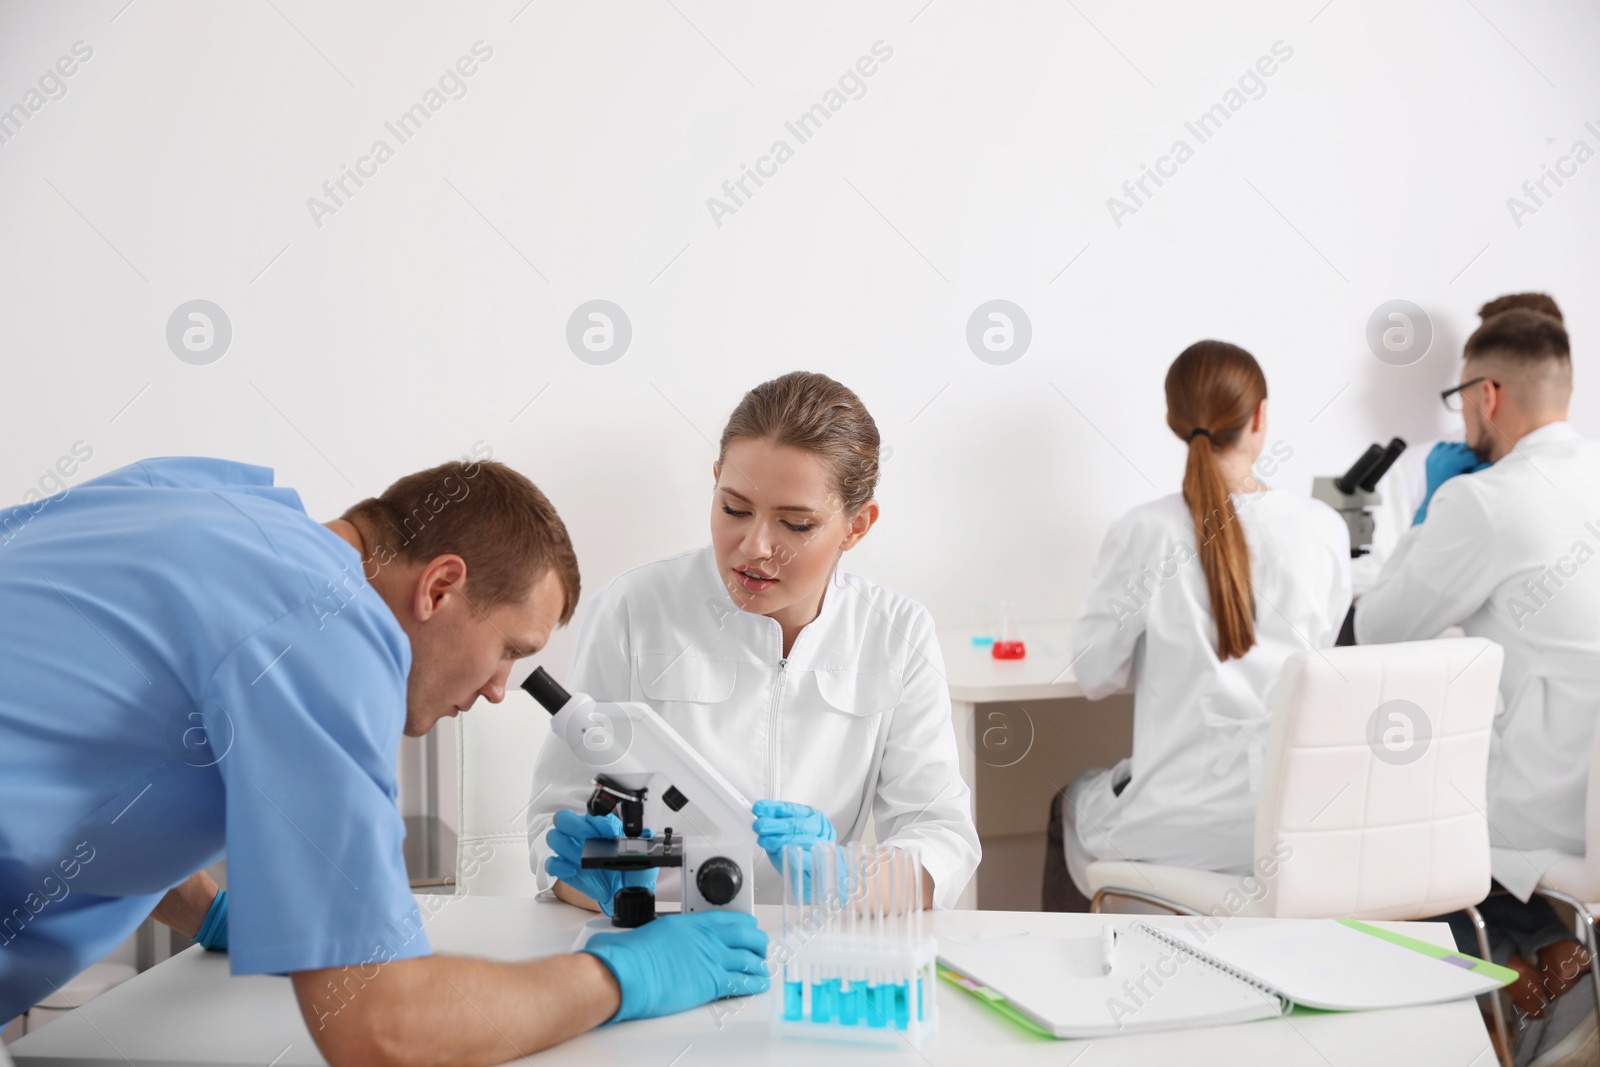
870	887
843	931
825	905
794	923
899	994
877	922
914	867
853	1010
895	992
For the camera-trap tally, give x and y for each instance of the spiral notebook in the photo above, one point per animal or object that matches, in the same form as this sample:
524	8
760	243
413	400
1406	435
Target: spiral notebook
1167	978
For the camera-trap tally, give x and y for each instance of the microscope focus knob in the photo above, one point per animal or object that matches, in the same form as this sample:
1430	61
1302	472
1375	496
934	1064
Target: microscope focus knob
719	880
633	906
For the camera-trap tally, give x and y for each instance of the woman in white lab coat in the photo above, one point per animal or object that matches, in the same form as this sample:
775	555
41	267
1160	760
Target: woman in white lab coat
1196	600
803	684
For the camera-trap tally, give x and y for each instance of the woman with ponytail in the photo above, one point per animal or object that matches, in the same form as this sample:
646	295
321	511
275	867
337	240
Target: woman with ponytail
1197	598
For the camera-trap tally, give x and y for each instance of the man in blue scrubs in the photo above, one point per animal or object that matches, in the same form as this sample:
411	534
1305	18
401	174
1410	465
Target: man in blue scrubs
190	662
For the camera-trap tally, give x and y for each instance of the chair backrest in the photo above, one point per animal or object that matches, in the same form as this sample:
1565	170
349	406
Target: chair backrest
1373	786
498	747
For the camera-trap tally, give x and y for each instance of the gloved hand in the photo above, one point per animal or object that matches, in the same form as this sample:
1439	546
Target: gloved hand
783	822
677	962
566	838
1445	461
213	935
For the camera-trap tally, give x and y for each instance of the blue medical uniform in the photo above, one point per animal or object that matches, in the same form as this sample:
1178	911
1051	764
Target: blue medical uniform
189	661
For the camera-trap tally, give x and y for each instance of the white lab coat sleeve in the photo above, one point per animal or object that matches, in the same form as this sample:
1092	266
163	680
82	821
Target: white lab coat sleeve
922	800
1113	620
602	667
1439	573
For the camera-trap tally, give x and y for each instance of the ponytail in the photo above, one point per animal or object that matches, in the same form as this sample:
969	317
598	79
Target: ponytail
1224	556
1213	390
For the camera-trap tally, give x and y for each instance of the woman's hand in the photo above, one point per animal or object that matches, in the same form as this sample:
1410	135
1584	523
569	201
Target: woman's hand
566	837
783	822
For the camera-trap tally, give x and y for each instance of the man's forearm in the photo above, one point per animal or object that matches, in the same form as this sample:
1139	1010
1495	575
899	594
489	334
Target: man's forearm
458	1009
184	907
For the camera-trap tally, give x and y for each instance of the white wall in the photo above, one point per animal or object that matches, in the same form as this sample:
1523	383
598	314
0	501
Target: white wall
430	309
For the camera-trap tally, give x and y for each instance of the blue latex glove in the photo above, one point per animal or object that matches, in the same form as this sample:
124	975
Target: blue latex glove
213	933
782	822
678	962
1445	461
566	838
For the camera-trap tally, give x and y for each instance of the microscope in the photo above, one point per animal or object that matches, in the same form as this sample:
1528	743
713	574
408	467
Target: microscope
634	750
1354	493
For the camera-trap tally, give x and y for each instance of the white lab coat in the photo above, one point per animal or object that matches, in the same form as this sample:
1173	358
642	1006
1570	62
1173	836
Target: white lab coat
855	722
1490	539
1199	724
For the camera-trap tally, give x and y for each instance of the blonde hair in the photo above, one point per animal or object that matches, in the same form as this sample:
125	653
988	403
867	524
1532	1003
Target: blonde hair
814	413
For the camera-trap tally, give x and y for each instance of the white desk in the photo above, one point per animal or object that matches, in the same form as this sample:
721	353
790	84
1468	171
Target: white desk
188	1010
1045	673
975	677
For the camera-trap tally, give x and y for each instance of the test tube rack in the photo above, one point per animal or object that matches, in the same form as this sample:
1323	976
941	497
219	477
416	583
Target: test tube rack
856	966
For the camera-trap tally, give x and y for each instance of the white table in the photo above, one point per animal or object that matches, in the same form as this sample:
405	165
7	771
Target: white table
188	1010
1045	673
975	677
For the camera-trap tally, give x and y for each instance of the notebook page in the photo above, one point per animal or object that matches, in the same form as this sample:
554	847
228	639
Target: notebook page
1058	983
1322	963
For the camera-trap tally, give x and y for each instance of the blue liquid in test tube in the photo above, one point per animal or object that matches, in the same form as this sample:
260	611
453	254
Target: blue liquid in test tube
793	1001
850	1004
880	1000
822	1001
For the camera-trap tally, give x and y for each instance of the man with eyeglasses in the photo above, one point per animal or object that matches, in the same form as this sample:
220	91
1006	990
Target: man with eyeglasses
1425	466
1508	553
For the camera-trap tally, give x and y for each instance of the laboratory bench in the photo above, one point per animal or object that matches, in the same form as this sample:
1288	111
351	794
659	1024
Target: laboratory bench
189	1010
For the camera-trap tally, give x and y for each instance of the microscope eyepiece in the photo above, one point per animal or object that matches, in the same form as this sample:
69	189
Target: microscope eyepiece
546	690
1391	452
1352	478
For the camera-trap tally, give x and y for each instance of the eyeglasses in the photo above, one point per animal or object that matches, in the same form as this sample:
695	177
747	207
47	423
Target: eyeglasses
1452	397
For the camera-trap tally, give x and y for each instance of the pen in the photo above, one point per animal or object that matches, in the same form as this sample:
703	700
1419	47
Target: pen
1108	945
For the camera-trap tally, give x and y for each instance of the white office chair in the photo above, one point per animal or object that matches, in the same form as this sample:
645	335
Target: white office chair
96	979
1381	825
498	746
1575	880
